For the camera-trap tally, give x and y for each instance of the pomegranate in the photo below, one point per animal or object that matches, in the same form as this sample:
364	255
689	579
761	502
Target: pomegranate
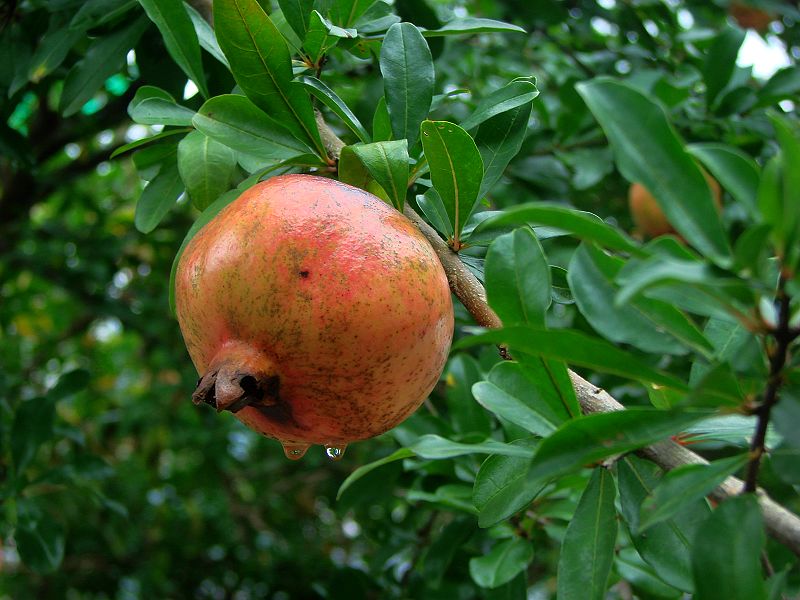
314	312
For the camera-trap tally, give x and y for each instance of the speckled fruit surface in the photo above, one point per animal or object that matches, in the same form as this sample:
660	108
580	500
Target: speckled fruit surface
313	311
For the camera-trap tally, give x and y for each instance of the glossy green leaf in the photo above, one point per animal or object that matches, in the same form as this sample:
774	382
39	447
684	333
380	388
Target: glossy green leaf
587	551
206	168
105	57
363	470
511	408
239	124
650	325
665	546
639	276
470	25
180	38
751	250
205	217
450	496
502	487
464	413
544	384
642	577
733	169
322	35
518	93
154	106
655	157
574	347
432	206
499	140
785	83
158	197
381	122
590	438
583	225
32	426
437	447
298	14
517	278
40	543
727	550
346	12
721	62
329	98
407	68
93	13
262	67
387	163
456	170
683	486
149	140
503	562
205	35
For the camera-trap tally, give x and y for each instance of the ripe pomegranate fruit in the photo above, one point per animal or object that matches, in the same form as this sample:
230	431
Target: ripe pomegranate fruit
314	312
647	215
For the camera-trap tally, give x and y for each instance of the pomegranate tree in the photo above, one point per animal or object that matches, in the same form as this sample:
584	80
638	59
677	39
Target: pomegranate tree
314	312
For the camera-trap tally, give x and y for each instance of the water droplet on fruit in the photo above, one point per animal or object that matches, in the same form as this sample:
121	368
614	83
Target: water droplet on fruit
335	452
295	451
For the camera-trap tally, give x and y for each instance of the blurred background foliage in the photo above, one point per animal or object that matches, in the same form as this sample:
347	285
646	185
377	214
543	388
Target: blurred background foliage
113	484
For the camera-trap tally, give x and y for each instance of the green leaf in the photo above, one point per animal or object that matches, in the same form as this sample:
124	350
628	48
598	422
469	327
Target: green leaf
346	12
407	69
105	57
158	198
206	168
154	106
502	487
470	25
322	35
444	547
432	206
205	217
511	408
363	470
518	93
785	83
262	67
574	347
239	124
650	325
180	38
436	447
654	156
583	225
639	276
685	485
456	170
721	62
517	279
329	98
381	122
642	577
465	414
69	384
788	135
148	140
587	551
387	163
736	172
587	439
451	496
499	140
544	384
93	13
504	562
298	14
727	550
40	543
52	49
32	426
205	35
665	546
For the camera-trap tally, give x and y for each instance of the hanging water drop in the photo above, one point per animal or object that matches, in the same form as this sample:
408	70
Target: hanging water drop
295	451
335	451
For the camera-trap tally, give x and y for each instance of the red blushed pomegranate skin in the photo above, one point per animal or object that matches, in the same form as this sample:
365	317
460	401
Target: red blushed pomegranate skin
328	297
